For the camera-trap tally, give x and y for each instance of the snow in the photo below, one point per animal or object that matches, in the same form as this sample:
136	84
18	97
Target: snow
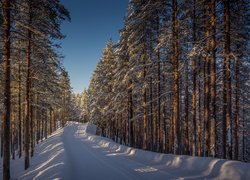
73	153
90	128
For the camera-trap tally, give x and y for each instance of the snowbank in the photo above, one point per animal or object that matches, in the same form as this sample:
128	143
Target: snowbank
188	167
47	163
90	128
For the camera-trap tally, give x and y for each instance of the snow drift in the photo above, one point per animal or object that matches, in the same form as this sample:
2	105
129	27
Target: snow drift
90	128
188	167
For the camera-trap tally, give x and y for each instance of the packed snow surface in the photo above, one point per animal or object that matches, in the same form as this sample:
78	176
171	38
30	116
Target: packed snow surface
73	153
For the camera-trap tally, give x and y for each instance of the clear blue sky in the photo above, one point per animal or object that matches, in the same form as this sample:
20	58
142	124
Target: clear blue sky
93	23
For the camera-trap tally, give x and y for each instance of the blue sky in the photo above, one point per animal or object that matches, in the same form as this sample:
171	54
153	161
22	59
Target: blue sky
93	23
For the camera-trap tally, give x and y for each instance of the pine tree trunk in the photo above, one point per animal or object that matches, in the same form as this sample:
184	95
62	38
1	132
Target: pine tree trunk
199	112
151	117
54	120
7	93
27	123
19	108
176	110
194	68
46	125
131	121
165	128
145	102
159	147
51	121
13	135
31	125
38	122
244	156
159	119
237	110
227	151
2	133
42	126
206	83
171	127
23	123
213	131
187	142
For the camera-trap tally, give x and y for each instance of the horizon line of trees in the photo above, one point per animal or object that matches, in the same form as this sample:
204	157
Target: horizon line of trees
178	79
35	92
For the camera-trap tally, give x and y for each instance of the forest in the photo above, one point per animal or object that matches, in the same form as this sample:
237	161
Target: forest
177	81
35	89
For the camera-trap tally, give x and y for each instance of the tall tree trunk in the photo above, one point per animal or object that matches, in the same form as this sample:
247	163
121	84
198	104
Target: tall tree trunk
27	123
187	141
237	110
145	100
158	59
165	128
244	156
227	151
194	68
13	135
171	129
7	93
31	124
206	81
42	125
38	121
176	110
54	120
213	131
19	107
2	134
51	121
151	116
46	124
199	111
131	121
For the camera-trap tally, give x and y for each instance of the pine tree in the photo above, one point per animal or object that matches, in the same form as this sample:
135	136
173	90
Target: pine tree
7	93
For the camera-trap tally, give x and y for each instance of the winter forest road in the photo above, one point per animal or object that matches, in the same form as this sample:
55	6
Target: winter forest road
74	153
86	159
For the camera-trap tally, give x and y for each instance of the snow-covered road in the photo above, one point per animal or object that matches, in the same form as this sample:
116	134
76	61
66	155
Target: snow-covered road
92	161
73	154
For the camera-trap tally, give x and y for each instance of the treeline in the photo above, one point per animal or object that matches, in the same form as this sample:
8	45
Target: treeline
34	87
178	79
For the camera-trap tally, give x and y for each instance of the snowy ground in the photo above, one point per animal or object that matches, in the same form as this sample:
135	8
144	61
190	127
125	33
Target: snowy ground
73	154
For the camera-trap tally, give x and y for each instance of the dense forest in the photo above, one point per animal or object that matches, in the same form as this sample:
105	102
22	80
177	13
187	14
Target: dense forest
35	92
177	81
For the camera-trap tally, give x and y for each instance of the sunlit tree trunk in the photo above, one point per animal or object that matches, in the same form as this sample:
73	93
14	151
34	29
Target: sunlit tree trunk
213	131
199	112
206	82
19	107
7	93
227	149
152	127
194	68
176	110
131	121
